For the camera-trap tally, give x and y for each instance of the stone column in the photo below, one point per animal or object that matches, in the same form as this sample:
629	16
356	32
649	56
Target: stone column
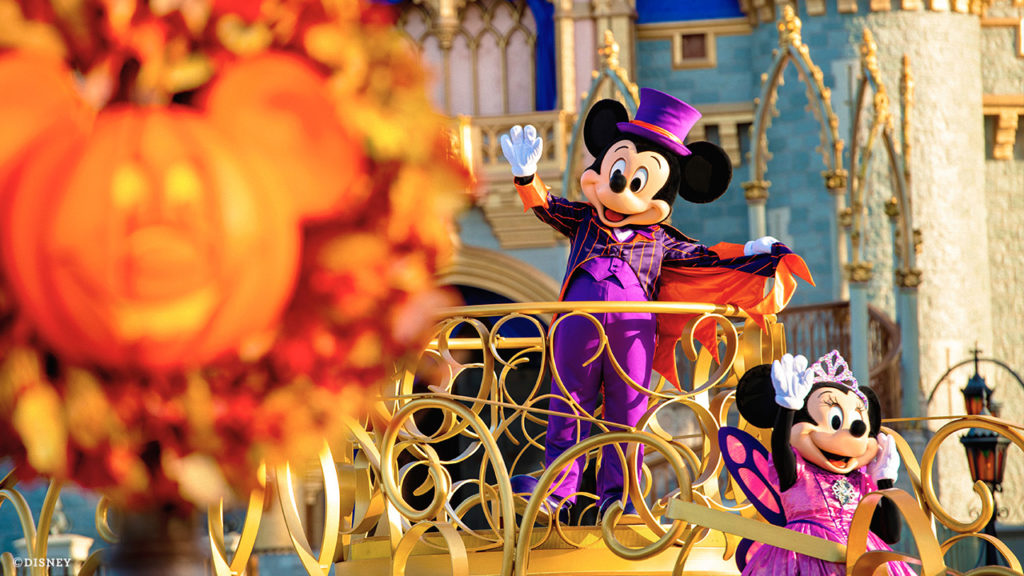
910	361
756	194
565	57
859	276
947	160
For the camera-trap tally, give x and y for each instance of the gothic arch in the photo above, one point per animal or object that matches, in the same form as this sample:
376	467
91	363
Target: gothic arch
792	50
882	127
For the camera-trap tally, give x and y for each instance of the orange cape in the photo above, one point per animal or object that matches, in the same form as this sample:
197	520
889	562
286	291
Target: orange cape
740	282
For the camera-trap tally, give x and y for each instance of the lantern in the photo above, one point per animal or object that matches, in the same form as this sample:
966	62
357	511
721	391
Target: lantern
986	450
976	393
986	456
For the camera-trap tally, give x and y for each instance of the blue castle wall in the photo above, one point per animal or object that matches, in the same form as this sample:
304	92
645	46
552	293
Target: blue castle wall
793	138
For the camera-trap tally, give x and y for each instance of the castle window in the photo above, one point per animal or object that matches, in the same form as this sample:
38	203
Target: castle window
486	63
695	46
693	50
694	42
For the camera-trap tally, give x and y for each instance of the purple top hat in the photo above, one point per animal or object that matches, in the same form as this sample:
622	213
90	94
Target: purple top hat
663	119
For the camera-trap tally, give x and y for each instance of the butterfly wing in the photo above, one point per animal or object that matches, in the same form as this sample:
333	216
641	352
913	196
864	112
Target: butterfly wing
745	551
749	463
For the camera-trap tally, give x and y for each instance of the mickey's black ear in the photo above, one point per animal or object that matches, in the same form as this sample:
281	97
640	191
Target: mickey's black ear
599	129
755	397
874	410
707	172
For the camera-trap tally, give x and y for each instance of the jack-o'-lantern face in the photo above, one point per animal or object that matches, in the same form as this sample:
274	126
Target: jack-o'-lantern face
146	243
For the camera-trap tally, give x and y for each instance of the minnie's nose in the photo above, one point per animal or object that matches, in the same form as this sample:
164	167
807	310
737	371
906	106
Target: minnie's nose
858	428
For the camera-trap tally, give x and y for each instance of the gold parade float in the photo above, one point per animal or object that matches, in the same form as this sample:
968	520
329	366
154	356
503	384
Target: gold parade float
460	516
417	483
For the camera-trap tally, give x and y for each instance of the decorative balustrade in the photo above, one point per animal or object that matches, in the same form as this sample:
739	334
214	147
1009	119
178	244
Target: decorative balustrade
815	329
500	203
421	484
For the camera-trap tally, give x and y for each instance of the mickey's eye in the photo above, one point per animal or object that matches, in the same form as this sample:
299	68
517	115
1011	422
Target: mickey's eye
835	417
639	180
619	167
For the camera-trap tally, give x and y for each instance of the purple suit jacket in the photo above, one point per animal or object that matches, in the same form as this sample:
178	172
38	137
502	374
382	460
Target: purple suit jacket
649	248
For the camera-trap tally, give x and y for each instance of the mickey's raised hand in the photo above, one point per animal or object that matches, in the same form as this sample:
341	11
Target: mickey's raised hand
791	380
886	465
522	148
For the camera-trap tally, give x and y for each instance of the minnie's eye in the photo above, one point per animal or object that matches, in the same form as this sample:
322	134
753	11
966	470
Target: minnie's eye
835	417
619	167
639	180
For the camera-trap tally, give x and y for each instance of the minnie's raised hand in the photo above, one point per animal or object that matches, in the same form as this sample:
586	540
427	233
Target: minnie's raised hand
791	380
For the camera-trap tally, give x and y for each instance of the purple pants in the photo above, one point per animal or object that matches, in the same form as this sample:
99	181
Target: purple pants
631	338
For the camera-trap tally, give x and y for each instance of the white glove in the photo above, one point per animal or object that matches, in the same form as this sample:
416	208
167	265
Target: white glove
792	381
522	148
762	245
886	464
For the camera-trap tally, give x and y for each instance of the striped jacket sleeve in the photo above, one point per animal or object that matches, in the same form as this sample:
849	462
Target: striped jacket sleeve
684	252
563	215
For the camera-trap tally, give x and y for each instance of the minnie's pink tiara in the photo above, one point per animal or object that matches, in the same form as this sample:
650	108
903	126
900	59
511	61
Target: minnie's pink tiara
833	368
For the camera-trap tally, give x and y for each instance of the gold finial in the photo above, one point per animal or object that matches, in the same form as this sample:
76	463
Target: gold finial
907	89
907	81
869	54
609	51
789	27
907	101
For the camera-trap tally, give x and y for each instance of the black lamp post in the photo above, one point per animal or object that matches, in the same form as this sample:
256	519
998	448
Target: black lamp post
986	450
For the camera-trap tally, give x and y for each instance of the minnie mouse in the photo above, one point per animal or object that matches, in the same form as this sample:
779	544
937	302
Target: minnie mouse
620	250
827	453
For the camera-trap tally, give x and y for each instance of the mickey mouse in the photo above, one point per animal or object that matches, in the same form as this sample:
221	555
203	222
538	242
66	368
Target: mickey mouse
621	251
827	453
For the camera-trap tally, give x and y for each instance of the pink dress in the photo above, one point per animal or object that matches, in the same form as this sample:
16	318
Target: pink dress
821	504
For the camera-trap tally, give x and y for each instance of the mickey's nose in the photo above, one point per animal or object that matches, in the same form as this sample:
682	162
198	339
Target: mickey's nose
858	428
617	182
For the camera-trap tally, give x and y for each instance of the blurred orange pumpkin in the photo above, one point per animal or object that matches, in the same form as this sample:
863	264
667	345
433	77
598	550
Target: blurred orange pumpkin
146	243
36	93
278	110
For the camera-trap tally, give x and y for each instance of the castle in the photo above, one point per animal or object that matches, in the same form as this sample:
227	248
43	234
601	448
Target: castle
912	222
952	71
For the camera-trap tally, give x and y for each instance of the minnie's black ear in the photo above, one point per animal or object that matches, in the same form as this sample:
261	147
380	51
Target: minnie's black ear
707	172
874	410
599	129
755	397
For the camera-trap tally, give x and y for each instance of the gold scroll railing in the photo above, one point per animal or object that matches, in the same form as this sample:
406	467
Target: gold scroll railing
420	485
